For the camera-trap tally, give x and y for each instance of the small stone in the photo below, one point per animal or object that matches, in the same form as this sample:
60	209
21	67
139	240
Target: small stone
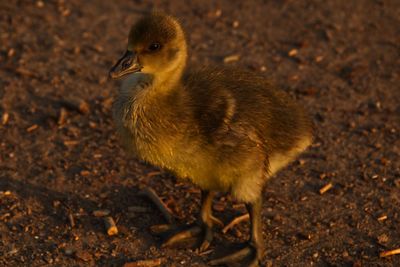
11	52
85	173
319	58
69	251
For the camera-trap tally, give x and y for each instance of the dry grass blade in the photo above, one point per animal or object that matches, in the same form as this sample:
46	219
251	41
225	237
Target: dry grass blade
389	253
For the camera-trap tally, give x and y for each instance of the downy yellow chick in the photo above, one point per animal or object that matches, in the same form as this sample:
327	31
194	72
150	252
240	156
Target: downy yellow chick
226	130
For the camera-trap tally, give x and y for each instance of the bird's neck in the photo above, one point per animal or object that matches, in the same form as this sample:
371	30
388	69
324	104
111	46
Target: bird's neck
169	78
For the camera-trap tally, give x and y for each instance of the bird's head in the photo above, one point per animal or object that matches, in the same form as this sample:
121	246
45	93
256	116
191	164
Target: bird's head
156	46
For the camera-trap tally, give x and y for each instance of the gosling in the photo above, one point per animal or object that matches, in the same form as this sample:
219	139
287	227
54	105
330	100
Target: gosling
226	130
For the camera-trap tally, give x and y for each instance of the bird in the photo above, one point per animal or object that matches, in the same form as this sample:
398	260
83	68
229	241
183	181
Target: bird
224	129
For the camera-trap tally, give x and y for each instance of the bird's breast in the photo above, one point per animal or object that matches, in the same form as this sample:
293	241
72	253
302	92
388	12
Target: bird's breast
153	131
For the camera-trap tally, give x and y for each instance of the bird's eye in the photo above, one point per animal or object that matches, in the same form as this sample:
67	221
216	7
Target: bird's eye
154	47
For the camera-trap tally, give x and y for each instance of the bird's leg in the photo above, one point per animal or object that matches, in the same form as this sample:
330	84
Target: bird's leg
255	247
202	228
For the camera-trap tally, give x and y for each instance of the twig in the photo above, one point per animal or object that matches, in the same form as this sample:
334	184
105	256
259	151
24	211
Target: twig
235	221
32	128
389	253
71	219
152	195
325	188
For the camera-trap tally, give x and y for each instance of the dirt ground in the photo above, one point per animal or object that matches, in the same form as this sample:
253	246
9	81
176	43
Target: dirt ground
60	158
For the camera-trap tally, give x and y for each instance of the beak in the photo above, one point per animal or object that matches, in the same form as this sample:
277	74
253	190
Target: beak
128	63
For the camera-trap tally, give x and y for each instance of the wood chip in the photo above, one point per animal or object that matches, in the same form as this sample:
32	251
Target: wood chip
70	143
107	103
11	52
101	213
4	118
161	228
62	118
319	59
389	253
231	58
382	218
84	107
7	193
383	238
293	52
110	225
32	128
25	72
145	263
235	221
84	173
325	188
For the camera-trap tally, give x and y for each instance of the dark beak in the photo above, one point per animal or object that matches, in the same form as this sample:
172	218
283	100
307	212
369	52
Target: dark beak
128	63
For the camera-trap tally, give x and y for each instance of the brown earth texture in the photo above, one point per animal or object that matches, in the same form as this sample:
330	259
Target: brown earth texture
60	158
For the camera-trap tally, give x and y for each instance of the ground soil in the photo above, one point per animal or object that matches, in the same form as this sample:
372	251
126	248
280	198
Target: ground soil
60	157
